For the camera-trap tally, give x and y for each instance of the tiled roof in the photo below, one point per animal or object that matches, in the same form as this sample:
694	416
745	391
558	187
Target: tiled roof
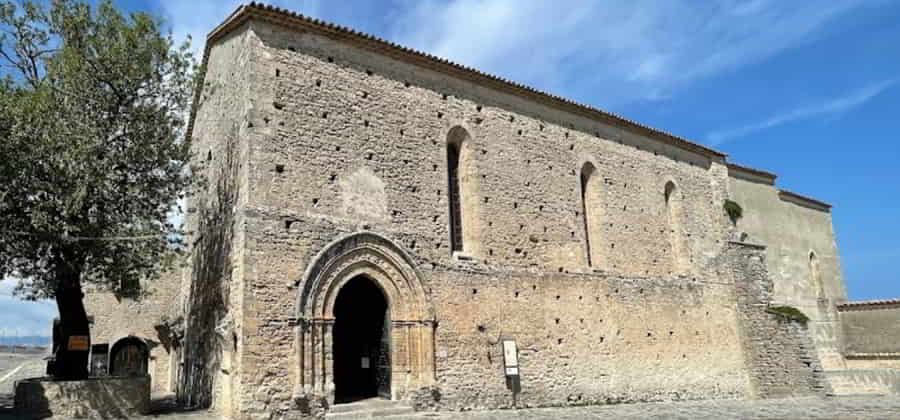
866	304
295	20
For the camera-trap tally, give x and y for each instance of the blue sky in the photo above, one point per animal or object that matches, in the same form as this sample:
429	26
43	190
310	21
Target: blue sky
808	90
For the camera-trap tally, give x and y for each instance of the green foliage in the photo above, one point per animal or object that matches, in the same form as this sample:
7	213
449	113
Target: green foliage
93	108
788	312
733	210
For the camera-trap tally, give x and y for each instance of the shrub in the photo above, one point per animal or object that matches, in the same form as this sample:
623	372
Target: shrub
788	312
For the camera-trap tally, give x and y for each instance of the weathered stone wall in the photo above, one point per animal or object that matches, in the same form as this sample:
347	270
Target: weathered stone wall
584	338
117	318
791	232
325	140
779	352
344	140
372	149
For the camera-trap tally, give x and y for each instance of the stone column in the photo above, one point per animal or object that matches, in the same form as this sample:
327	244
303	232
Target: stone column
327	327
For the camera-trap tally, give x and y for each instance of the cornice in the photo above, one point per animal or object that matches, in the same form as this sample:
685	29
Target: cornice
804	200
751	174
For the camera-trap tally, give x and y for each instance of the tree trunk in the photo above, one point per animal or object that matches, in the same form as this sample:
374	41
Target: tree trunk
74	344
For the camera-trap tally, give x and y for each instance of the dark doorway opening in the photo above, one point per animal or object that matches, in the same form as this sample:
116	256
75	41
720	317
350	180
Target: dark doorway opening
129	357
362	362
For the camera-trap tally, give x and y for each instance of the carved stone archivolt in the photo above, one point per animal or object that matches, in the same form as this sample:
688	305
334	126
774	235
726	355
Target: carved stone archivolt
412	317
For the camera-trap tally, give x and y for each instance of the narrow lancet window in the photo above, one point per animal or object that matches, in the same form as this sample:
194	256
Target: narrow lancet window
673	219
462	193
590	211
815	275
456	238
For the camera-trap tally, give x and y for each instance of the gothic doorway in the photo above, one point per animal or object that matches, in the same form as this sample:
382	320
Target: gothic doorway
362	342
361	296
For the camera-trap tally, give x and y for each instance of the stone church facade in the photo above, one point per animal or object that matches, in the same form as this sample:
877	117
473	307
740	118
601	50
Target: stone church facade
376	222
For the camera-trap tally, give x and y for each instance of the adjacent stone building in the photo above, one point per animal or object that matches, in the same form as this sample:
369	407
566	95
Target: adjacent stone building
378	222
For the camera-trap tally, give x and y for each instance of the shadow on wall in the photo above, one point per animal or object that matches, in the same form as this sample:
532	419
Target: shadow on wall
210	279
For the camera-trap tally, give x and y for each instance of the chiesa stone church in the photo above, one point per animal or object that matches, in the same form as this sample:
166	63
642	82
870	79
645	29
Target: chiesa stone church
378	222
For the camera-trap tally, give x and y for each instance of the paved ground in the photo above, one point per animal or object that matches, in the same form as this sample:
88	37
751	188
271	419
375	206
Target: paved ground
805	408
12	368
837	408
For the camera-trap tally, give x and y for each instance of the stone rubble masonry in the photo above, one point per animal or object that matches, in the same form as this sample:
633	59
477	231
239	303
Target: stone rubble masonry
95	398
326	158
780	354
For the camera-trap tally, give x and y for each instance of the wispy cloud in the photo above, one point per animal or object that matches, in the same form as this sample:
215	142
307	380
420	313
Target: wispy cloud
831	107
613	52
604	53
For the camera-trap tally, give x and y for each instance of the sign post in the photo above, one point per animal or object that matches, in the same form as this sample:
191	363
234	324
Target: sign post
511	368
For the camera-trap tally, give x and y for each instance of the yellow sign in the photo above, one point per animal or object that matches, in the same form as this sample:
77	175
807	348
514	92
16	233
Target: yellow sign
78	343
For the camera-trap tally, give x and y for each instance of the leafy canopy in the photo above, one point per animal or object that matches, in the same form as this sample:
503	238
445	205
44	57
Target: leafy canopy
93	109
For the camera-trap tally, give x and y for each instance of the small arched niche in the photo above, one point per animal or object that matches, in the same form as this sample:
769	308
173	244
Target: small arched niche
462	187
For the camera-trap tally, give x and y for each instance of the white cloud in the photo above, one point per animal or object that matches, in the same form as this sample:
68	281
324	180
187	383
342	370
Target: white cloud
18	317
606	53
831	107
617	51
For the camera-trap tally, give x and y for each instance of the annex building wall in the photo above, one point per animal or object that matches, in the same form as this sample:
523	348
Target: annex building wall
149	318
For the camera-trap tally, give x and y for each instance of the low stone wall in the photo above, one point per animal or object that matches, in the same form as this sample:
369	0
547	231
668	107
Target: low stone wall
95	398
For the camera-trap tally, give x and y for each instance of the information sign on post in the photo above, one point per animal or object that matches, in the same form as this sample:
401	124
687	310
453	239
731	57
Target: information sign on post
510	358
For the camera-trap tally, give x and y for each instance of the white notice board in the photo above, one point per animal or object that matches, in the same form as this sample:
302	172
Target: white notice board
510	358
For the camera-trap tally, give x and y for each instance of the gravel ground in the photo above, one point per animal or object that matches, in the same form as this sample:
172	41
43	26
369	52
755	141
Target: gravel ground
12	368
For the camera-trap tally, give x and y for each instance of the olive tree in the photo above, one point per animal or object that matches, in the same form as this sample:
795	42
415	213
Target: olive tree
93	159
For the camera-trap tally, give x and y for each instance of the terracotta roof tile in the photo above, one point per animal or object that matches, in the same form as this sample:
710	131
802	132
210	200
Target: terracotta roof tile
863	304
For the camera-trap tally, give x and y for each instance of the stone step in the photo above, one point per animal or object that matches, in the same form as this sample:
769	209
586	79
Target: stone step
368	409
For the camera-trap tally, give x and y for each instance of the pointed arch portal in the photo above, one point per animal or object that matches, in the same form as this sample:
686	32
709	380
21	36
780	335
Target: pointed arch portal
364	323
